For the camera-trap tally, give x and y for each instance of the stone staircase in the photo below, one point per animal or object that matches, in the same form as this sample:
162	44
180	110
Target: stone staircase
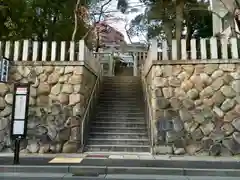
119	124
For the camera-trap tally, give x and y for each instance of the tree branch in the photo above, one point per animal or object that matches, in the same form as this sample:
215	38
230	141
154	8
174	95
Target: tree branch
99	19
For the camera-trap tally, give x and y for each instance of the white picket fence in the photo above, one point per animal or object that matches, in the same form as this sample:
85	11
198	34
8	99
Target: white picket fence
26	50
203	49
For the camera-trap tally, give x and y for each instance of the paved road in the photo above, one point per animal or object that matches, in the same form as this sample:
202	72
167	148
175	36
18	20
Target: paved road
29	176
36	168
129	163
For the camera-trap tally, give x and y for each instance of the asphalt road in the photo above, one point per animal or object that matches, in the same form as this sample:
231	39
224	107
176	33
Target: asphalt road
29	176
128	163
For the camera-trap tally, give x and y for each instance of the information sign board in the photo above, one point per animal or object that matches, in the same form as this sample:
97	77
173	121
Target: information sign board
20	111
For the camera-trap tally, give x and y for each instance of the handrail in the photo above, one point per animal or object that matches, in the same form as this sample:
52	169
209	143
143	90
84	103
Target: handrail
93	97
149	113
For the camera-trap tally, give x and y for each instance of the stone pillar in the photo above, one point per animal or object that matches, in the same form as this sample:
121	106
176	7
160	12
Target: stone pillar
154	50
110	70
135	65
217	24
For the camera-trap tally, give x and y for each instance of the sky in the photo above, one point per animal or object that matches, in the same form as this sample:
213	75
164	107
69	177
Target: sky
126	18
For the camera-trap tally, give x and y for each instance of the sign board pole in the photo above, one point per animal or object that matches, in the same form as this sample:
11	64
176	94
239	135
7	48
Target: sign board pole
16	151
19	117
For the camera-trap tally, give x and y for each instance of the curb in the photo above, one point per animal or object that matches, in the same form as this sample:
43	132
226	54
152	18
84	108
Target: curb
129	156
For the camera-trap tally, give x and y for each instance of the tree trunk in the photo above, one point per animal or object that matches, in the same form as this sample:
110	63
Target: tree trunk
167	28
75	20
179	22
188	37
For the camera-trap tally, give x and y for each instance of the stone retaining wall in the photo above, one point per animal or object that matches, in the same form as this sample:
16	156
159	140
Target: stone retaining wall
203	102
59	93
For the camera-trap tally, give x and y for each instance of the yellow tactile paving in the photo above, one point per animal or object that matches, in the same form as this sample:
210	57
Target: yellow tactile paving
65	160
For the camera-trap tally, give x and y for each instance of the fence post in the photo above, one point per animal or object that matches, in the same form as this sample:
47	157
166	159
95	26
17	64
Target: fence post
25	50
224	45
63	51
213	48
35	50
81	53
154	49
203	49
193	49
184	49
7	49
234	48
53	51
174	50
72	51
164	50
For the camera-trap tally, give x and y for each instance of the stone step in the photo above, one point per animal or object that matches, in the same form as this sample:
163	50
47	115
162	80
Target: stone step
116	98
117	148
103	104
119	94
98	129
121	102
123	118
123	87
115	91
117	121
118	125
126	103
119	109
98	141
138	113
106	135
119	98
121	91
121	82
122	79
120	86
117	114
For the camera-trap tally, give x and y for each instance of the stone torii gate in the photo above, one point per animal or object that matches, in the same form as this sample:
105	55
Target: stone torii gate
130	49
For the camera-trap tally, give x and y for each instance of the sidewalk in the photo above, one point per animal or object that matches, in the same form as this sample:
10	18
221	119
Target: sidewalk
139	156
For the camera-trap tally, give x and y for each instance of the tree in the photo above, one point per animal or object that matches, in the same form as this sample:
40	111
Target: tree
162	24
40	20
233	8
